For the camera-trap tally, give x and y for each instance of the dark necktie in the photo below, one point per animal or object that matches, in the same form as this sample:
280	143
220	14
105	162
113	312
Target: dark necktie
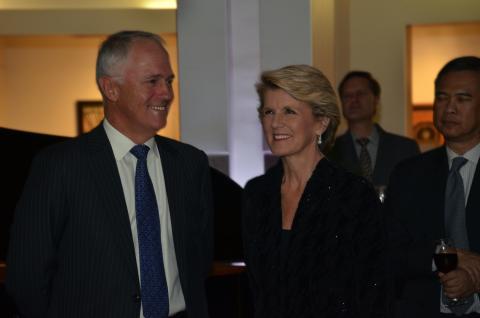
455	205
455	226
364	158
152	273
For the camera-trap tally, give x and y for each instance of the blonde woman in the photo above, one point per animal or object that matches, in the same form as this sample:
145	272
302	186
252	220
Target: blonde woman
312	232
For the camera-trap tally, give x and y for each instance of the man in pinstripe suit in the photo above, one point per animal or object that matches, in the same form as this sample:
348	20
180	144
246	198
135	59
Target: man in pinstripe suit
74	247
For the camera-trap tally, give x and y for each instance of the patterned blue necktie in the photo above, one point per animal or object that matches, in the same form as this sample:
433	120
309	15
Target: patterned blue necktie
152	273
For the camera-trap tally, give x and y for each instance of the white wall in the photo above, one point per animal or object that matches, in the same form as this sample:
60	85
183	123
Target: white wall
285	33
204	42
202	30
223	46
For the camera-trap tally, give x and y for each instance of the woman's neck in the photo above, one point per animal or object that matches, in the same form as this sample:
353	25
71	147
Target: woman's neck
297	170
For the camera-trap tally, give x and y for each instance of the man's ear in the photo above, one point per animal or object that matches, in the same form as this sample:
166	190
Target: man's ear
109	88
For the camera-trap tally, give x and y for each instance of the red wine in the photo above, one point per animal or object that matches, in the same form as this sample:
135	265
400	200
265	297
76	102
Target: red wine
445	262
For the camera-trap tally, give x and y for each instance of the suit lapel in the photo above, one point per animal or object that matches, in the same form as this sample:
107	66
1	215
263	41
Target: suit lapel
383	152
176	201
439	177
438	173
268	219
106	176
473	212
348	148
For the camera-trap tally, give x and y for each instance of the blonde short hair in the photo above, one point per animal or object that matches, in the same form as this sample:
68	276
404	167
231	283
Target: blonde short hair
309	85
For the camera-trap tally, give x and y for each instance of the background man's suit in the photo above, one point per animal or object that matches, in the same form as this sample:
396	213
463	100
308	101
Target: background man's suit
84	263
21	146
391	150
415	207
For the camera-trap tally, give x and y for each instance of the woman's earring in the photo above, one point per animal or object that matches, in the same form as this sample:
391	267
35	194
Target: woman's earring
319	141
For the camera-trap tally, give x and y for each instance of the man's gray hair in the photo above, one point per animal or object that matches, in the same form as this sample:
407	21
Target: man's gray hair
116	47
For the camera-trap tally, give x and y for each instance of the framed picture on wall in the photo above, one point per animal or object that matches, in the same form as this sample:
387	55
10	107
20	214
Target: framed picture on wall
424	131
89	115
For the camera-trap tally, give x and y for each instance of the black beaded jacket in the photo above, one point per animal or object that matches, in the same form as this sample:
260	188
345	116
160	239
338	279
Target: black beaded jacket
334	264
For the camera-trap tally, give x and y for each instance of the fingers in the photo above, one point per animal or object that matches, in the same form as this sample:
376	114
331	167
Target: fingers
474	274
470	262
457	284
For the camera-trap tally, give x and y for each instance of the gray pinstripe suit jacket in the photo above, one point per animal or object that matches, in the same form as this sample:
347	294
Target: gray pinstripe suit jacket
71	252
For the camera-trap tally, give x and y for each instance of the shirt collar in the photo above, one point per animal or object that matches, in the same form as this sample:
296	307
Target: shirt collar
471	155
121	144
372	138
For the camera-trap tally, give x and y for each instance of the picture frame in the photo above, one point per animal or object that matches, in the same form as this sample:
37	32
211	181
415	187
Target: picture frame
89	115
423	129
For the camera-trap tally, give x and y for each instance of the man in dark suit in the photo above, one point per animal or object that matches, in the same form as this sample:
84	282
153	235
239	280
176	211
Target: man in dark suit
83	241
419	202
366	149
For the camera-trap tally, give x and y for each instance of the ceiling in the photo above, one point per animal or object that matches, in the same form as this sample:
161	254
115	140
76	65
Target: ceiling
87	4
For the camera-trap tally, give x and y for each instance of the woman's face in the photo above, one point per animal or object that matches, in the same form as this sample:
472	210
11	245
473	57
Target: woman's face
289	125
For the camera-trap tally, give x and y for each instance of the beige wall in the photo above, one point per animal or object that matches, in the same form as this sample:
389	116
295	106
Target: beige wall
378	44
2	83
41	50
172	129
375	39
105	21
87	4
44	77
434	45
331	40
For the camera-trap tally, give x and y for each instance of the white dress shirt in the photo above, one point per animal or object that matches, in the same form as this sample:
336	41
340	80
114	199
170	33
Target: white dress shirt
126	163
467	172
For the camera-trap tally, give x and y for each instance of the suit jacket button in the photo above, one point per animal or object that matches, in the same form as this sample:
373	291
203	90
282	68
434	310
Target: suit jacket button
137	298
